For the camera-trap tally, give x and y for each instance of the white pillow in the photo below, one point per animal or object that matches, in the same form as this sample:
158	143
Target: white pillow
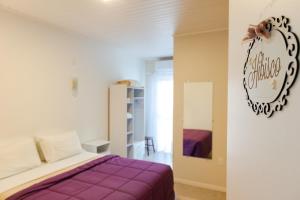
17	155
59	146
45	132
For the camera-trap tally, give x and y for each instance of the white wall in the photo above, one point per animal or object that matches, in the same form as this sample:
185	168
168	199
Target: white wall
198	105
37	64
263	154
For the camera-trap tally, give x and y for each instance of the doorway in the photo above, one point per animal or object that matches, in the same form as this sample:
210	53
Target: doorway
159	110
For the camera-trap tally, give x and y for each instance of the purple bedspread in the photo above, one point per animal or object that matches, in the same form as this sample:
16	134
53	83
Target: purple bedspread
197	143
107	178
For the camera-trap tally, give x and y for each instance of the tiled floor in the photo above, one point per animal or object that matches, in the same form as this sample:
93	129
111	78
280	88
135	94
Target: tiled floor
185	192
159	157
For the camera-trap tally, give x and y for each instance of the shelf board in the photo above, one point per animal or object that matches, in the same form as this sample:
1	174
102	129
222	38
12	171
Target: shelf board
135	98
129	145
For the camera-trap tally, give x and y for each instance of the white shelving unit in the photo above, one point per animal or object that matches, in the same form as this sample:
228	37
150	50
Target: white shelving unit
126	118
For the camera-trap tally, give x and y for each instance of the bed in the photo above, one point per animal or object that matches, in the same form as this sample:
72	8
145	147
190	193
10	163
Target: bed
87	176
197	143
90	176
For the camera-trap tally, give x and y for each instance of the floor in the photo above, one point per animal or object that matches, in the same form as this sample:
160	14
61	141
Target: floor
185	192
159	157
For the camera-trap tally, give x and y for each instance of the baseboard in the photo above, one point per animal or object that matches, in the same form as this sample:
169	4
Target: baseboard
200	185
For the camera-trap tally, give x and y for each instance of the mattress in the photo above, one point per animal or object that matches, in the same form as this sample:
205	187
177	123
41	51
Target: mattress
13	184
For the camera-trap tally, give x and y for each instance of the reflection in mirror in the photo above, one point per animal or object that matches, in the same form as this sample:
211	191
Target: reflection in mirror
197	119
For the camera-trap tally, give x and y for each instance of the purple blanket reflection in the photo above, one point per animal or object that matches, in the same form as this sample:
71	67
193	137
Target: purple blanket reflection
197	143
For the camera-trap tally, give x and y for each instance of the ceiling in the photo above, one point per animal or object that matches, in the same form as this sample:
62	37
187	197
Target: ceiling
144	27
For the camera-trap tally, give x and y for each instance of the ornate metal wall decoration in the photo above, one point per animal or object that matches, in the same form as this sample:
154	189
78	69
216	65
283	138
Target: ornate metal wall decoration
272	65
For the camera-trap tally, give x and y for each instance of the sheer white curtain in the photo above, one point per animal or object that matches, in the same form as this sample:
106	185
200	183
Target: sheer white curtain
159	100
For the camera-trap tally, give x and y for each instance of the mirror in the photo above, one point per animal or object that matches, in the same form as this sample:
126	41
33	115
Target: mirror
198	119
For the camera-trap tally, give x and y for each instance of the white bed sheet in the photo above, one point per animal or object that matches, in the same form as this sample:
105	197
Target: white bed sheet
45	169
